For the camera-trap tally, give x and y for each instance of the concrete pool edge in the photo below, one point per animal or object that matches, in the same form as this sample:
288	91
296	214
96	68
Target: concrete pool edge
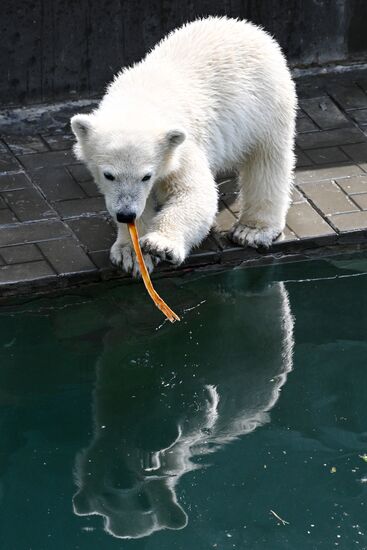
289	253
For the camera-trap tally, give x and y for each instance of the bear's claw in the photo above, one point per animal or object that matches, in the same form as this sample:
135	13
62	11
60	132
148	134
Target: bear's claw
160	248
253	236
123	256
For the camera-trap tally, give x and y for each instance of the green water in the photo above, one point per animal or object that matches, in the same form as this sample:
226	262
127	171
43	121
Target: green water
119	433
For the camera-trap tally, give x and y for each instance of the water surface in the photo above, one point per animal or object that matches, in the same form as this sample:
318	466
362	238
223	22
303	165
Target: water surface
118	432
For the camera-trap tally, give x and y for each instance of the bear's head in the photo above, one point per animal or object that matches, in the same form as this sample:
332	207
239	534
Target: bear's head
113	484
126	160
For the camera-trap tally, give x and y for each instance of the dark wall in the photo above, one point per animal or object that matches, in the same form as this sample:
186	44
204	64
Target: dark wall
52	49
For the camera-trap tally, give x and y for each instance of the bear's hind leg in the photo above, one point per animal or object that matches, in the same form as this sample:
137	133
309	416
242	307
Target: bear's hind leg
265	185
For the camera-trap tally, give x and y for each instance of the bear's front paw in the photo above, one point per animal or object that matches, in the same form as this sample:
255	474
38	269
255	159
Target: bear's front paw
162	248
123	256
253	236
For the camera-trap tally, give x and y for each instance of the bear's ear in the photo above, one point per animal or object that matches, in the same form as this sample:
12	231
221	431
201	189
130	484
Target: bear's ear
175	137
81	126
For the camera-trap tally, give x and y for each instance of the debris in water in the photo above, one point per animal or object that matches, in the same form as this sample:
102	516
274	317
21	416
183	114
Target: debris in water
363	457
279	518
333	470
186	310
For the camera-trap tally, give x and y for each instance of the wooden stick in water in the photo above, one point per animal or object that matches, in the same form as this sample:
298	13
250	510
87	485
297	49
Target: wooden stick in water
171	315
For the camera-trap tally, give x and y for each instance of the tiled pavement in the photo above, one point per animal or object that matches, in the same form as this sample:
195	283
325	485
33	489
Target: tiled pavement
54	229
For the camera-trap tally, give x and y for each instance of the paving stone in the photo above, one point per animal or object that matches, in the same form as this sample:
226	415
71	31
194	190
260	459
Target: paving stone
7	216
233	203
85	180
357	184
297	196
358	153
50	159
305	222
360	116
325	113
21	254
80	173
80	207
325	138
66	256
361	200
102	259
60	142
302	159
349	97
286	236
224	219
229	193
300	113
328	155
362	83
21	273
328	197
22	233
310	89
327	173
25	145
28	205
306	125
350	222
11	182
3	203
96	233
3	147
57	184
90	188
8	163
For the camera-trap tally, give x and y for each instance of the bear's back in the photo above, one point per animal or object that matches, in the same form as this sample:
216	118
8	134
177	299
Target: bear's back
211	46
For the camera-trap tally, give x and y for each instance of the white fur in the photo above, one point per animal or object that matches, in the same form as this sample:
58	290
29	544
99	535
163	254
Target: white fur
213	96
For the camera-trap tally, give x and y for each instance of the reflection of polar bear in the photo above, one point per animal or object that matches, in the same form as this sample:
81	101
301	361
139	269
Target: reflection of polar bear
214	95
155	412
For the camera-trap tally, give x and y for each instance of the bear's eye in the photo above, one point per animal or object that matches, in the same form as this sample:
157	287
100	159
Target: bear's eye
108	176
147	177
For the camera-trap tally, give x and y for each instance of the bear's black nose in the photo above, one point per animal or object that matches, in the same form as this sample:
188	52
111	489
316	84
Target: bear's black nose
125	217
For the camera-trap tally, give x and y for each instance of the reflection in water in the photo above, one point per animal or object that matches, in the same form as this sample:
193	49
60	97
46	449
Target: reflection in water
200	386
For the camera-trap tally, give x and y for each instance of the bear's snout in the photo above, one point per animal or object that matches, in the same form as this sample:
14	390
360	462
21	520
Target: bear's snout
125	216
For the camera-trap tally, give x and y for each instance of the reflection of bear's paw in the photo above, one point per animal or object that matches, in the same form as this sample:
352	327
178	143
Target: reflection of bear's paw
162	248
123	256
253	236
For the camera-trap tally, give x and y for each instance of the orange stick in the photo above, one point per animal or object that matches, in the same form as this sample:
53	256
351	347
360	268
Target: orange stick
171	315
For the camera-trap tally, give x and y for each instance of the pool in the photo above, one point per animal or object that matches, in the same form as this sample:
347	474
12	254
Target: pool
242	427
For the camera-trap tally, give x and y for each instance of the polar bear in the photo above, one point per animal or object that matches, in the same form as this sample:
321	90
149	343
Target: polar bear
214	96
